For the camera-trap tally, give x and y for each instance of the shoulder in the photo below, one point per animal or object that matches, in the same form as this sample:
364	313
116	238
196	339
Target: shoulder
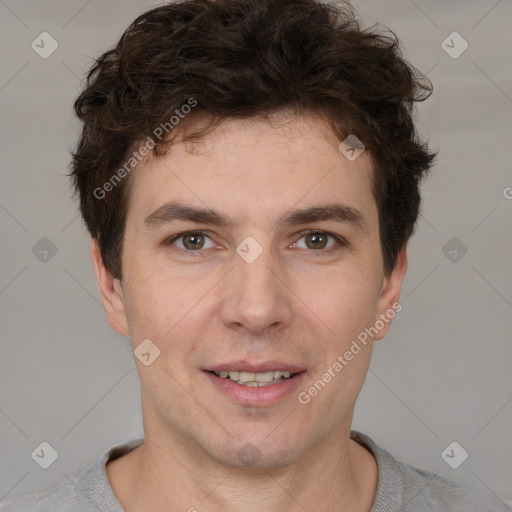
424	490
90	490
58	498
62	498
405	488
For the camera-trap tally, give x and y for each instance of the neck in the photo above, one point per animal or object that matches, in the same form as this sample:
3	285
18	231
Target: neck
168	473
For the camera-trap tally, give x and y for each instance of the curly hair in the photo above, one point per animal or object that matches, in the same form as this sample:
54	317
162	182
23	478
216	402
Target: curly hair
248	58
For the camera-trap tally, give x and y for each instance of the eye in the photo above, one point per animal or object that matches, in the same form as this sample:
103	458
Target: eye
192	241
320	241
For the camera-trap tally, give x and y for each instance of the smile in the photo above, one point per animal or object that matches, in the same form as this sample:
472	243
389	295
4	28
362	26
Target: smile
255	379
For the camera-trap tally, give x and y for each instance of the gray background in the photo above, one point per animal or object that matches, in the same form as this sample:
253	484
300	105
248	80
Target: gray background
443	373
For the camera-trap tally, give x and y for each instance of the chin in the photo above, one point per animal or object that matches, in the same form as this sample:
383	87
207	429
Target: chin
256	452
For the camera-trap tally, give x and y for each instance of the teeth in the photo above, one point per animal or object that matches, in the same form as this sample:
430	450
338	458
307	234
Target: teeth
255	379
253	384
246	377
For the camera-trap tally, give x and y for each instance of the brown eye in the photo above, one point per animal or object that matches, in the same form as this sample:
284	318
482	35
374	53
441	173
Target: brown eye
316	240
320	243
192	244
193	241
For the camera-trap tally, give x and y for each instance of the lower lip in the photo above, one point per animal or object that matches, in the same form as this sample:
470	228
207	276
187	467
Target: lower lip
256	396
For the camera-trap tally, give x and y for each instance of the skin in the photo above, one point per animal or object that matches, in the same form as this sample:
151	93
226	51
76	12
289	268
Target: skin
295	303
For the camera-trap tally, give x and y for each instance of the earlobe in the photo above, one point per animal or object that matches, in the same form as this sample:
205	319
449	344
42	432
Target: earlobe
389	301
111	292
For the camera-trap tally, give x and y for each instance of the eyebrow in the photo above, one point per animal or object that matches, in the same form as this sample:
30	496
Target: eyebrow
174	210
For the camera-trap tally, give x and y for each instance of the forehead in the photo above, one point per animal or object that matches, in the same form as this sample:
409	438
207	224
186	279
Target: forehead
250	168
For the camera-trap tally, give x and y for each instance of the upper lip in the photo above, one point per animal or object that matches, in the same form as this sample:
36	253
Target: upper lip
246	366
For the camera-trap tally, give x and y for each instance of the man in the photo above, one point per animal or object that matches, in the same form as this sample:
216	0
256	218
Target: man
249	173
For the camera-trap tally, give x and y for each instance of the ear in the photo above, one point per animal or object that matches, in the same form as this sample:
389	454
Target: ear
111	293
389	298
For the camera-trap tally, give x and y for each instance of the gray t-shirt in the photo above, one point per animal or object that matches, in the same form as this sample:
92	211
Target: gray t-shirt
400	488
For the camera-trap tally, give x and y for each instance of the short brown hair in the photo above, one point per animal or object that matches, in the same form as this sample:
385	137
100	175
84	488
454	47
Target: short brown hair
249	58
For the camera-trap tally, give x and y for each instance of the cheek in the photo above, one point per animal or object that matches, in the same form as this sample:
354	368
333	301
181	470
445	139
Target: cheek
337	378
343	303
166	308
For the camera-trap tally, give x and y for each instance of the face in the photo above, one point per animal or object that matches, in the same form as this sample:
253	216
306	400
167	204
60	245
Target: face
255	251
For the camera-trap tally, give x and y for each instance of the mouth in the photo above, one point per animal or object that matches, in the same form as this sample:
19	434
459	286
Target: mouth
252	384
252	379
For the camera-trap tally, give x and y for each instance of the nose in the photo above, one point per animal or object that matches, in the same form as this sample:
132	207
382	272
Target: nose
258	296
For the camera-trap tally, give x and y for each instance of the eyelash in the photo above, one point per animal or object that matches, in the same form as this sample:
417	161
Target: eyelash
342	242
